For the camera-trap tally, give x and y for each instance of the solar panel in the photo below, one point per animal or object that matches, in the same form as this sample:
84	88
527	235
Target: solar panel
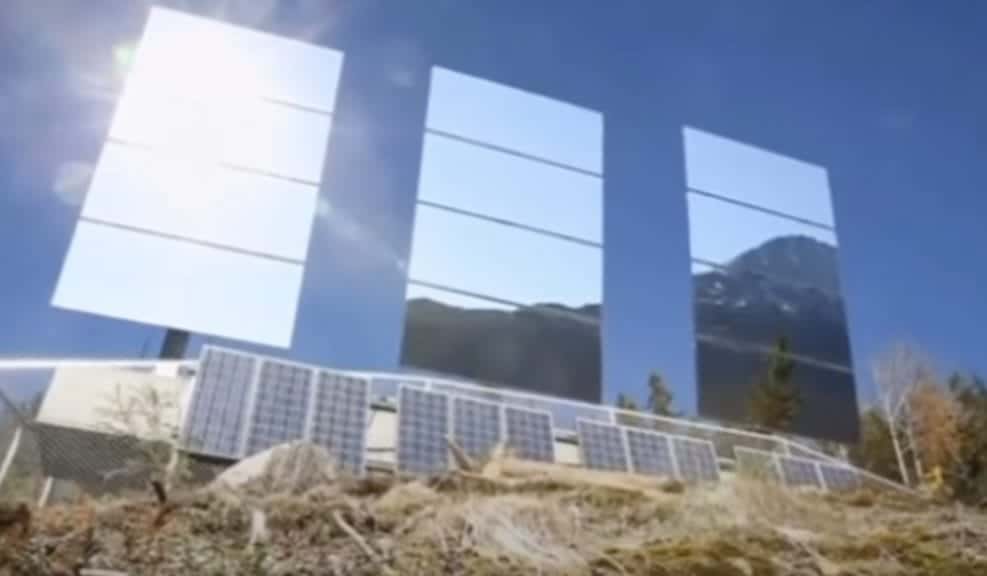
695	459
476	425
339	419
602	446
423	425
650	452
280	405
218	406
529	433
839	478
799	472
759	464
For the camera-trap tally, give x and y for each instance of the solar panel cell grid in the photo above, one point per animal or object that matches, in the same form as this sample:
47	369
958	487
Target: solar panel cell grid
799	472
476	426
651	453
218	404
529	434
695	460
423	426
280	405
339	421
602	446
839	478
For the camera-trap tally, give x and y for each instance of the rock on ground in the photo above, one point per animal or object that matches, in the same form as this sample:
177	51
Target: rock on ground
290	468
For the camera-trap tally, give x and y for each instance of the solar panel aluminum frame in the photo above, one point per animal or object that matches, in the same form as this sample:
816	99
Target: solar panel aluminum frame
623	442
189	397
712	447
551	424
773	456
250	407
367	409
846	467
626	431
313	373
820	481
313	395
397	441
501	414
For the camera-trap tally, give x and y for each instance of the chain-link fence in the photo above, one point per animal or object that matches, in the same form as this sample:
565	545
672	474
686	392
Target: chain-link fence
46	457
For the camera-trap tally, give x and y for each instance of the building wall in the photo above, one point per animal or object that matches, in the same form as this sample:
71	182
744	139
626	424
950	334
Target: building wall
89	397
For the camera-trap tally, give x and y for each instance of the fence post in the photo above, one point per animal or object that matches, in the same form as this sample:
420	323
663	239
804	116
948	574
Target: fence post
8	459
45	492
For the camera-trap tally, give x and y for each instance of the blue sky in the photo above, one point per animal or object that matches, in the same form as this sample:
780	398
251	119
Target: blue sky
887	96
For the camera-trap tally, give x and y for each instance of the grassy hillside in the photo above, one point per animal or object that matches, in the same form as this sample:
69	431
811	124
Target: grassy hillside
541	520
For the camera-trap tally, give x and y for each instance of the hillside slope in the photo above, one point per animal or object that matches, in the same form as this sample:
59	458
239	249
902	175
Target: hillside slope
480	524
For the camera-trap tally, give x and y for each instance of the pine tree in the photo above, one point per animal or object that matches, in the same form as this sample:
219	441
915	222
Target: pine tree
625	402
874	451
775	401
970	479
660	398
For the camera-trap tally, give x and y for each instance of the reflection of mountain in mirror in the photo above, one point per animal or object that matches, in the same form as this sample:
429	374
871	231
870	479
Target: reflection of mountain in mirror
720	230
548	348
765	267
786	287
505	278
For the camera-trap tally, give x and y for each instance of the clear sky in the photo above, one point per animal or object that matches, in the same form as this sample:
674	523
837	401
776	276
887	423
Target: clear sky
888	97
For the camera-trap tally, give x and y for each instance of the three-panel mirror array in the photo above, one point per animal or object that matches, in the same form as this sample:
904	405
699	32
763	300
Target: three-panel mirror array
200	214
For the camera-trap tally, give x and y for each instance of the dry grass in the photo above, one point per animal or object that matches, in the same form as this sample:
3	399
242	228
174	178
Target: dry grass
547	521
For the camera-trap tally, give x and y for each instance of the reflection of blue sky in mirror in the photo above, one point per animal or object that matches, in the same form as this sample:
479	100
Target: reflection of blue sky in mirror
502	261
491	183
720	231
146	278
230	208
506	117
199	214
515	164
207	60
718	165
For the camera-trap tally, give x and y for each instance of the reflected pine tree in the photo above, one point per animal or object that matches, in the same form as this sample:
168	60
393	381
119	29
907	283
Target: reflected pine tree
775	400
660	397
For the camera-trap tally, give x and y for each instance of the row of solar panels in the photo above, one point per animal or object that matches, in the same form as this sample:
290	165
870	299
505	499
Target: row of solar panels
243	404
629	449
427	418
796	472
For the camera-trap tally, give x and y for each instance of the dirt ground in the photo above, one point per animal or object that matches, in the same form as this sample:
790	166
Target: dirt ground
538	522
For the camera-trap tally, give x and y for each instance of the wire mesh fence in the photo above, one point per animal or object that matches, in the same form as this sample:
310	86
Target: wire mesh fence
55	453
